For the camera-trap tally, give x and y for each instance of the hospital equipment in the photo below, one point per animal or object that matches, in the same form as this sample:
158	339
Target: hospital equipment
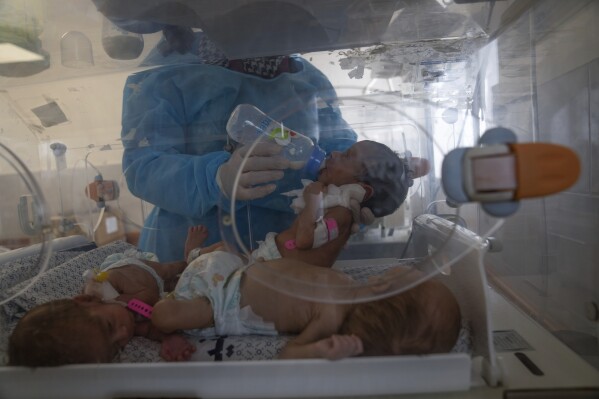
501	172
431	77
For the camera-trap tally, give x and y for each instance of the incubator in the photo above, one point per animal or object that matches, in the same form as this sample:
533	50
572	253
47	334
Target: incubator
113	127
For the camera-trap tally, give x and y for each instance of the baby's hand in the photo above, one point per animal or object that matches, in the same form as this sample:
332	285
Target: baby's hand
175	348
314	188
339	346
361	215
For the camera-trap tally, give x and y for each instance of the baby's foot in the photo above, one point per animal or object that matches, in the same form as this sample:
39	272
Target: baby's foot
196	235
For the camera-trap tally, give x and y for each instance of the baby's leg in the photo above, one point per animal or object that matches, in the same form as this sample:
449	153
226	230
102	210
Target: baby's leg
171	314
196	235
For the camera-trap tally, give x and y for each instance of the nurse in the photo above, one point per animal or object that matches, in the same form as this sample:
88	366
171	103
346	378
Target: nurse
178	156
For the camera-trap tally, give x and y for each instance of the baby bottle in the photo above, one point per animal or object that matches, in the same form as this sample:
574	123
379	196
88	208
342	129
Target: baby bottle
247	124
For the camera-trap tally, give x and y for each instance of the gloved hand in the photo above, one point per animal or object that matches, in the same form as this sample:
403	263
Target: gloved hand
262	166
360	215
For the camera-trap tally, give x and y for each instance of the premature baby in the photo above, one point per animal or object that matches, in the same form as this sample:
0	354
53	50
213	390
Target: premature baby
217	294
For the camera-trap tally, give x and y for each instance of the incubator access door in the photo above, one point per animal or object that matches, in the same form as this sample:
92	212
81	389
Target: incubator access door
30	212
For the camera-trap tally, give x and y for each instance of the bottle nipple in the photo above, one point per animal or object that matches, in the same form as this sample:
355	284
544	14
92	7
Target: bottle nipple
315	163
323	164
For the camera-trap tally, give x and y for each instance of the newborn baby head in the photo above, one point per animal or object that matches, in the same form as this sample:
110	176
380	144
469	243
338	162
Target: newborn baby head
422	320
70	331
385	175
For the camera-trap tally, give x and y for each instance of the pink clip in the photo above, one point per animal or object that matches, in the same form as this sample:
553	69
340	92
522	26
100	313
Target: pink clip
140	307
290	244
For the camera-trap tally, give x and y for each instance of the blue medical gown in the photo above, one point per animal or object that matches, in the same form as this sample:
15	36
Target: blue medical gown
173	131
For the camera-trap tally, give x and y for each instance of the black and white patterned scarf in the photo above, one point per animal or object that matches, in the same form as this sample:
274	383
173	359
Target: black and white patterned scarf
264	67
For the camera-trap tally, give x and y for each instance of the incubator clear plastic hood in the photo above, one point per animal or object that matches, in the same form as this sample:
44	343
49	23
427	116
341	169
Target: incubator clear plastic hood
438	28
98	90
292	26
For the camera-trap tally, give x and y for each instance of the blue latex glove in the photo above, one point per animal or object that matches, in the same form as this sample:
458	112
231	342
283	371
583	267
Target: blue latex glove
262	166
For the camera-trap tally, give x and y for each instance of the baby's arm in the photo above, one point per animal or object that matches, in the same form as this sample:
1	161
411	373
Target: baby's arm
304	234
173	348
338	347
334	347
319	341
326	254
171	314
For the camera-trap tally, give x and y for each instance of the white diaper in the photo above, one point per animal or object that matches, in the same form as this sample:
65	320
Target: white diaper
217	276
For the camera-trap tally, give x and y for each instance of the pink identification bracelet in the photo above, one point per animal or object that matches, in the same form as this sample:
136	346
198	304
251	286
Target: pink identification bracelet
140	307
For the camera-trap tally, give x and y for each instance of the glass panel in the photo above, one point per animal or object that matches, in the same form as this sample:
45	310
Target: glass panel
541	81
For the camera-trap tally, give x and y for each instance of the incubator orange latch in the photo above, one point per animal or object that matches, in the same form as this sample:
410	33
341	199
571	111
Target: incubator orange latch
500	172
544	169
